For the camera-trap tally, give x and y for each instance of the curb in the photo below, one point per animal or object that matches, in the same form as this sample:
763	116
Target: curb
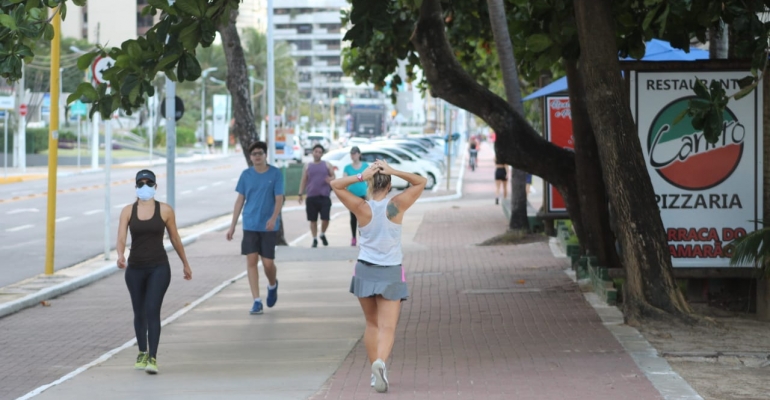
84	280
656	369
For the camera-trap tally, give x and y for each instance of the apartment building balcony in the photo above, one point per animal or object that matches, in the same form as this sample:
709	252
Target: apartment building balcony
325	17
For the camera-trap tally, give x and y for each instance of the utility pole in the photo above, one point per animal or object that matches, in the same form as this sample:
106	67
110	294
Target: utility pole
270	85
53	145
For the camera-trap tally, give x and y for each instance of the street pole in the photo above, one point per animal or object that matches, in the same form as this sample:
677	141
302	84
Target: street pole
270	85
107	184
448	147
78	142
5	143
204	73
53	145
170	141
20	144
151	128
228	117
95	141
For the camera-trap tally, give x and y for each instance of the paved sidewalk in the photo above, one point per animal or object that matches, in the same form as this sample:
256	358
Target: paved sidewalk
481	323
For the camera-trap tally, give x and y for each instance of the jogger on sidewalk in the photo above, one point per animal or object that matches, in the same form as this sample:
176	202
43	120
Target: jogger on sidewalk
315	181
260	188
378	280
148	272
359	188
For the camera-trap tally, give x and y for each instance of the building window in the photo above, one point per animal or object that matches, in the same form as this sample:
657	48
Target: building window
331	28
304	44
304	28
305	61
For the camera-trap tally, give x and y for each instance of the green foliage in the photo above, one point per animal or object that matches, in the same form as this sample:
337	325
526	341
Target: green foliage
36	140
543	33
185	137
753	250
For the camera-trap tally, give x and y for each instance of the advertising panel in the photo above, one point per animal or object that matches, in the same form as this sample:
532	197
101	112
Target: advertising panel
558	130
708	194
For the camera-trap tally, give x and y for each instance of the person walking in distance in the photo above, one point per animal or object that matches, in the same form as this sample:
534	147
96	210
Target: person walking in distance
148	272
315	183
358	188
378	280
501	179
260	197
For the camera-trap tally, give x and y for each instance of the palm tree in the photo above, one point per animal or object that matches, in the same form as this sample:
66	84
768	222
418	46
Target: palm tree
255	51
497	19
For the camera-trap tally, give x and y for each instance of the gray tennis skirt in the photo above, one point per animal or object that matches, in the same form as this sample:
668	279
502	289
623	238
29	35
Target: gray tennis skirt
369	280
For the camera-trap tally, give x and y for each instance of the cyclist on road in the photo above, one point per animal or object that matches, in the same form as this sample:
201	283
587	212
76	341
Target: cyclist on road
473	151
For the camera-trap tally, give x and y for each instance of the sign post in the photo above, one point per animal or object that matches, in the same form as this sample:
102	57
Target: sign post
78	109
5	142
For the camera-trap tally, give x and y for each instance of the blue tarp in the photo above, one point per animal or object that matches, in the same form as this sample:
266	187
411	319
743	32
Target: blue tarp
656	50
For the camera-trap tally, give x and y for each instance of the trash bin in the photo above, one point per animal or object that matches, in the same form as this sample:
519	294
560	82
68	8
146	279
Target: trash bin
293	174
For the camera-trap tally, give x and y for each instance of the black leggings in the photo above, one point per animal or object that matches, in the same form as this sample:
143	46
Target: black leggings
147	287
354	222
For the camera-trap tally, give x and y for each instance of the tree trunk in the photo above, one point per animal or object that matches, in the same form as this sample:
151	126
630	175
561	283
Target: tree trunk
519	203
763	283
591	191
650	289
238	85
718	41
517	143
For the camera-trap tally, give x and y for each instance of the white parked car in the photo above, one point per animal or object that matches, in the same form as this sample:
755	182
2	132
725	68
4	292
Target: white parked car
341	157
433	168
314	139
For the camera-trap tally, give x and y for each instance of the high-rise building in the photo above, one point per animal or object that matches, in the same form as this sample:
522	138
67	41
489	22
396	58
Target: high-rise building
111	22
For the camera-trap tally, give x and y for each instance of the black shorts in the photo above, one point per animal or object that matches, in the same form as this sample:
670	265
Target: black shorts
262	243
315	205
501	174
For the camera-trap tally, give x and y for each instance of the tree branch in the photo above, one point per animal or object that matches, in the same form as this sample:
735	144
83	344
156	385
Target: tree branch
517	144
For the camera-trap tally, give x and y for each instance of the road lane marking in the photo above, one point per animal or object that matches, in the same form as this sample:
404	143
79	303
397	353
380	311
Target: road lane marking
217	183
234	179
202	187
22	210
92	212
62	219
19	228
186	192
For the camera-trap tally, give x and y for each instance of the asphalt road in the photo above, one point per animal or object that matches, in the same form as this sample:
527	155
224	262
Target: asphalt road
204	190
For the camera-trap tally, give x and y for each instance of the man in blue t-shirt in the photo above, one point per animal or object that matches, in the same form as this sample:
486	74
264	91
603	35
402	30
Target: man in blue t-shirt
260	197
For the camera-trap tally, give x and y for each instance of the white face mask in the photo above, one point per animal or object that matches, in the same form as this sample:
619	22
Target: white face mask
145	192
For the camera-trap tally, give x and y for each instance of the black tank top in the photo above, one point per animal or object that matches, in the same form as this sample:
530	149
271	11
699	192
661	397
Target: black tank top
147	240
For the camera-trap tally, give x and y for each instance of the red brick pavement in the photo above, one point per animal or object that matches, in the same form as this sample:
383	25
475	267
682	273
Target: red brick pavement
527	334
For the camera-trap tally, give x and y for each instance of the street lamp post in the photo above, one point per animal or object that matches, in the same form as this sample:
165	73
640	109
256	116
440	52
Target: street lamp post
204	73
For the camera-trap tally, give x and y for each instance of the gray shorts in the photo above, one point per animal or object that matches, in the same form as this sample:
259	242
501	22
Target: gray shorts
262	243
370	280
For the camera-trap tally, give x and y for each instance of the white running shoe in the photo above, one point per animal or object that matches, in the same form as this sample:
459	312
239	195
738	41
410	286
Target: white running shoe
380	376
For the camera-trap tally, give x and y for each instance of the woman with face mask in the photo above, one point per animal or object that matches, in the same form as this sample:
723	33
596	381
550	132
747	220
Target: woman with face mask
148	272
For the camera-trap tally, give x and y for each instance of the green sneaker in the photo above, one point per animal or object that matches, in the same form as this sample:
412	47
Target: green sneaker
141	361
152	366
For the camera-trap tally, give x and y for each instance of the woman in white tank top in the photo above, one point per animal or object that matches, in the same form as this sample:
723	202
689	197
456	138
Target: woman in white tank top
379	280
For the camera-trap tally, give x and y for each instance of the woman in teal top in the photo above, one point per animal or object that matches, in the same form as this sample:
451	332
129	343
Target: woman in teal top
358	189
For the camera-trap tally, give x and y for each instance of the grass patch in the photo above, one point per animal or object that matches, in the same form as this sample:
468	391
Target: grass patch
514	237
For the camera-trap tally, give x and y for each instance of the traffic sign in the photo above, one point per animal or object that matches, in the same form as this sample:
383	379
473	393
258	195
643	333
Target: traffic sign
2	113
23	110
178	108
78	108
98	67
7	102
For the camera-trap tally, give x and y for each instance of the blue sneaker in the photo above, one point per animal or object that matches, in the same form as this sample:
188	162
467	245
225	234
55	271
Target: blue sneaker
272	294
257	308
